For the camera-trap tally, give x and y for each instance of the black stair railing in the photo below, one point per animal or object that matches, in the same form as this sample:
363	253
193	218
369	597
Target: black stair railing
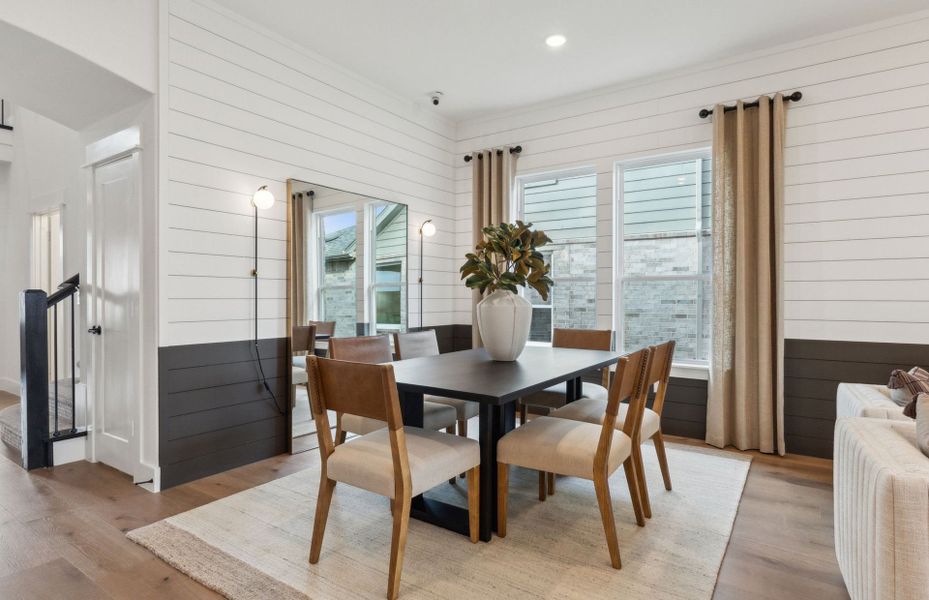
42	407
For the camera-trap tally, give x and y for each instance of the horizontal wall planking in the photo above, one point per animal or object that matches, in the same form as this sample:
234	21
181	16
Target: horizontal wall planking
260	52
198	94
214	412
913	290
899	205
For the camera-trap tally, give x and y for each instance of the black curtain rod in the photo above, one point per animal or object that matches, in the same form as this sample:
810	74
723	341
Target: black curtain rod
795	97
513	150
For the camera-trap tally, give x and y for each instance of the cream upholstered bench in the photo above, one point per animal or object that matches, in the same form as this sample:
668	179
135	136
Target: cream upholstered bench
867	400
881	494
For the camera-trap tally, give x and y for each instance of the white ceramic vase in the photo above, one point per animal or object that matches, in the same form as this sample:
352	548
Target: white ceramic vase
503	319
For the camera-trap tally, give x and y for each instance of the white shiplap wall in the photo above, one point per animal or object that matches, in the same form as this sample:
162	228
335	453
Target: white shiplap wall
857	169
246	109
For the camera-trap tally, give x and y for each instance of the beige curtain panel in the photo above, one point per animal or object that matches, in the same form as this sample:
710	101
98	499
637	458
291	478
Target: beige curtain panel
745	407
493	172
298	283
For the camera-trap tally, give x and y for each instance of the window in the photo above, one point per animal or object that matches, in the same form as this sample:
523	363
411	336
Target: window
564	205
388	230
336	269
664	253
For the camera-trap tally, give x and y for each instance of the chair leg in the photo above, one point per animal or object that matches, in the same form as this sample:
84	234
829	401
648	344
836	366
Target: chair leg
463	432
323	500
523	413
551	484
633	481
474	503
541	486
451	431
640	476
602	485
397	545
503	476
662	459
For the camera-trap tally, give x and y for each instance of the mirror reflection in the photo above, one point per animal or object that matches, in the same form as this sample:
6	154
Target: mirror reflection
348	277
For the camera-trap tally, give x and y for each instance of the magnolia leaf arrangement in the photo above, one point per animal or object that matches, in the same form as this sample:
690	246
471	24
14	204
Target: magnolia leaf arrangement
507	257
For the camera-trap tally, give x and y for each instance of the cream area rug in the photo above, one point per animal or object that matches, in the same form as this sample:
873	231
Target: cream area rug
254	544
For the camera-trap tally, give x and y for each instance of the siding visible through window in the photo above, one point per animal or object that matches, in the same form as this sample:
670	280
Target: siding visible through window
565	207
666	250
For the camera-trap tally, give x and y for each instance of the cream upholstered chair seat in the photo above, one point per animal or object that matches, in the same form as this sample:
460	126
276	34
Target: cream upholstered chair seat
554	396
298	375
464	409
590	410
435	416
561	446
299	362
366	461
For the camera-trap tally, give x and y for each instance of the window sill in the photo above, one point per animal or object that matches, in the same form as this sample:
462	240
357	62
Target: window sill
685	371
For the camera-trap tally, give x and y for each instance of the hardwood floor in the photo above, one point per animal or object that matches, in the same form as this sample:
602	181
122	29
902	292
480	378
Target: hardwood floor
62	530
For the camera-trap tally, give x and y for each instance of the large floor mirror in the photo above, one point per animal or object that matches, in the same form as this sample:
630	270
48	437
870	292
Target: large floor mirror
348	277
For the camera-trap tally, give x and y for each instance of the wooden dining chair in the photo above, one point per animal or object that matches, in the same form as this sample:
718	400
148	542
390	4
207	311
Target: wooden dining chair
376	349
555	396
590	410
302	342
424	343
585	450
395	461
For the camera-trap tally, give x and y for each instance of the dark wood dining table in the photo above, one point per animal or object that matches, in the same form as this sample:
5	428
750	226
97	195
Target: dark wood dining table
472	375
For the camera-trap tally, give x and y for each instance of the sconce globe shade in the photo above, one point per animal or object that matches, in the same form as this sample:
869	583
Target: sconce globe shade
428	229
263	198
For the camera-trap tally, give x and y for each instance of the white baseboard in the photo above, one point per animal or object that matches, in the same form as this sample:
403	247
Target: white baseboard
10	386
69	451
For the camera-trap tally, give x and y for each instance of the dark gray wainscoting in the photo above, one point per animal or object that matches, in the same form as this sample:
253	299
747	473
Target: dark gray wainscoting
813	370
214	413
684	412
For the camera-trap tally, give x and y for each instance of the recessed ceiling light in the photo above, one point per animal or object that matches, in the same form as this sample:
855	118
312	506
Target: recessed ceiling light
555	41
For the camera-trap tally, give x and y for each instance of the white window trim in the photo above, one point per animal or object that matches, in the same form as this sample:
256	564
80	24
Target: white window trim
681	368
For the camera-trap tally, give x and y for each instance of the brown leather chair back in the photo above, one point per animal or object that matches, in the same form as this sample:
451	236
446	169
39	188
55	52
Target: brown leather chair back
303	339
324	327
585	339
416	344
365	349
367	390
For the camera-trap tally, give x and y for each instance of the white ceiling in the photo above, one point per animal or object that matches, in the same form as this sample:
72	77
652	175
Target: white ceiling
490	55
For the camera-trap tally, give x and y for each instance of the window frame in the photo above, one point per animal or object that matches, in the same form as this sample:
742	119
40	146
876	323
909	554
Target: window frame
370	271
518	207
319	269
619	277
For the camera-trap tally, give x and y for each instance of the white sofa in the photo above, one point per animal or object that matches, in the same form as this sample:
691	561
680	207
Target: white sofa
881	489
867	400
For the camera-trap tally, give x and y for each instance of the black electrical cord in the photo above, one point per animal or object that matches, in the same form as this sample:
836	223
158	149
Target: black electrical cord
261	370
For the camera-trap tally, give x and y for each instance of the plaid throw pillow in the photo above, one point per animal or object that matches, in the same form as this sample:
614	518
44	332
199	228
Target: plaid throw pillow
906	384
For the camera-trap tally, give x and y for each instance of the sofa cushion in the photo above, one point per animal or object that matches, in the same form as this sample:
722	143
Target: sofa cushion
922	422
866	400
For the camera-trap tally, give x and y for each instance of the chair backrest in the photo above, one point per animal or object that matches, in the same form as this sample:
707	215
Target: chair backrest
627	385
659	372
416	344
323	327
364	349
585	339
303	339
357	388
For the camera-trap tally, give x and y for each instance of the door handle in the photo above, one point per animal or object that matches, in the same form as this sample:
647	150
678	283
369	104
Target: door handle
95	330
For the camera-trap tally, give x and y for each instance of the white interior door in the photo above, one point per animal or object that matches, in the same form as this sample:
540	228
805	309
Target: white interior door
114	287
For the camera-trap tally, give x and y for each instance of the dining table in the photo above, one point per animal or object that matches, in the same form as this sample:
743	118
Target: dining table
496	385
